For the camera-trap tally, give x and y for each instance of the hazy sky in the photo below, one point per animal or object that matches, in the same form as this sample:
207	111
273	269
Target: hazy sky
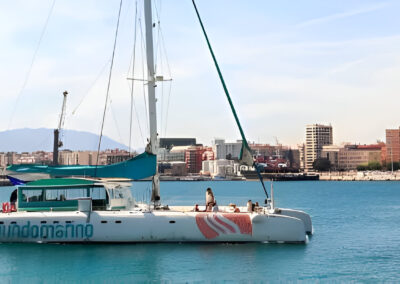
286	64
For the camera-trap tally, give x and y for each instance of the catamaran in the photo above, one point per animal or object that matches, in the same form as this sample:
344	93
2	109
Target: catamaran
99	209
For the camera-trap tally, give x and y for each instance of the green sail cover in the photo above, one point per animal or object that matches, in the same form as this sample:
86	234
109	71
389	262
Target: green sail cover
139	167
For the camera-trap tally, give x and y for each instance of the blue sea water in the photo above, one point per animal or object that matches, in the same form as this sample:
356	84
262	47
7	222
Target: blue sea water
357	238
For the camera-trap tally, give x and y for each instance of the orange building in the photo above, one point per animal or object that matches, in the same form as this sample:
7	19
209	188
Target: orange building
195	155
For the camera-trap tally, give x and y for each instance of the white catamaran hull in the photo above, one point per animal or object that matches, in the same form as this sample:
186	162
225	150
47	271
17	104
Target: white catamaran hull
152	226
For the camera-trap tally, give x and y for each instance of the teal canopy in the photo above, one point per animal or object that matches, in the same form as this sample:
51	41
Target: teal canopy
139	167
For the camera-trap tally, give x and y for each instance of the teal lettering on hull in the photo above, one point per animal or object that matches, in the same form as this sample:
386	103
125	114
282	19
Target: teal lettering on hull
44	231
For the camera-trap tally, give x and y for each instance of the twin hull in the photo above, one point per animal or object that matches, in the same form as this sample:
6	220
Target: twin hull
155	226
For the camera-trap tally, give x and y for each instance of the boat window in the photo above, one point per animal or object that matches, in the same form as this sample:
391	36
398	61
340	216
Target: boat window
65	194
116	193
55	195
32	195
74	193
98	193
119	193
62	194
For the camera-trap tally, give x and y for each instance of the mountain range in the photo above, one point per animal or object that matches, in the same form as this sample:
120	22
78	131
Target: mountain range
30	140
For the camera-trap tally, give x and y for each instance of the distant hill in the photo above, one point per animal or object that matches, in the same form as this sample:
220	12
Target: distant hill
30	140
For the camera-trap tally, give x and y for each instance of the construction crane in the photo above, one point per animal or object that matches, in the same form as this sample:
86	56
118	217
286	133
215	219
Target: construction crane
57	142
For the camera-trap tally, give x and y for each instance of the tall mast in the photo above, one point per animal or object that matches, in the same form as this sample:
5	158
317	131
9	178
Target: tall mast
151	84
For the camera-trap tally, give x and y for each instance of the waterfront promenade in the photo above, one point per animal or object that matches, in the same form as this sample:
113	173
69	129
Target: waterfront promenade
360	176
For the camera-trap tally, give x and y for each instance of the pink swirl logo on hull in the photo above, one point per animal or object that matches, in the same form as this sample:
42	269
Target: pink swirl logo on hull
212	225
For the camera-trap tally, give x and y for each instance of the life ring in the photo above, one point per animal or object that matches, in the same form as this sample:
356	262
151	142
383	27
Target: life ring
6	207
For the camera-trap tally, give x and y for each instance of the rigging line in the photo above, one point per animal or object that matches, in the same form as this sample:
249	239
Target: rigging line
28	74
157	42
162	45
157	59
168	100
162	108
165	51
162	83
91	86
133	81
169	73
221	78
143	74
161	49
137	118
116	123
245	145
125	16
108	88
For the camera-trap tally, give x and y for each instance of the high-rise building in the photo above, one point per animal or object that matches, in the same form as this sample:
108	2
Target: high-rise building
226	150
393	145
317	135
193	159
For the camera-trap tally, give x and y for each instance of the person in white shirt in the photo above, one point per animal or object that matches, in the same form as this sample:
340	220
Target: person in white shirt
210	200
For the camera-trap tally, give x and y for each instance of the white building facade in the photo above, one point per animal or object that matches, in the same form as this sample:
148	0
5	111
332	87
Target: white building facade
224	150
220	168
317	136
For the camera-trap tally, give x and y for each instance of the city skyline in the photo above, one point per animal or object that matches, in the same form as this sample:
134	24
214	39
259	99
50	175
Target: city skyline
286	65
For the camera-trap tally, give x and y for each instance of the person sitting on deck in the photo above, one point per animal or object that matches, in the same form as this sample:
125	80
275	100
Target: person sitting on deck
215	207
233	208
249	206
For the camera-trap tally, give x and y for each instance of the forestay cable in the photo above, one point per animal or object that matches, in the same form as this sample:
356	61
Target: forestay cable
108	88
28	74
245	146
133	81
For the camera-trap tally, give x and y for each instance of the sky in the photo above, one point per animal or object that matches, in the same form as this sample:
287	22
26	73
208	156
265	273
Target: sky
286	64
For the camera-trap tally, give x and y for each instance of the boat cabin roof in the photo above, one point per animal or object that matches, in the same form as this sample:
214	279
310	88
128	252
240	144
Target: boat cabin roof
61	182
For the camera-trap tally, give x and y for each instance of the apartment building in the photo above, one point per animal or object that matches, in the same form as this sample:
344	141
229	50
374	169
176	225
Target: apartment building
317	136
348	157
